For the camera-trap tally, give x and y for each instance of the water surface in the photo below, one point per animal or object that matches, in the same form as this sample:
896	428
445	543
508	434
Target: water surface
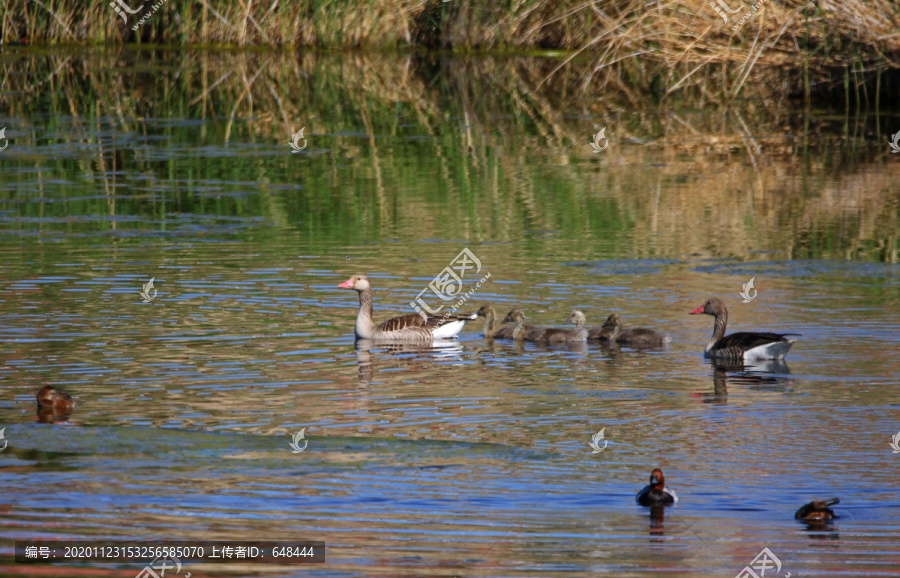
466	460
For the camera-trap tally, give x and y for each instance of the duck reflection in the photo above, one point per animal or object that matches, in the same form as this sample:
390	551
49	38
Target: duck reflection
821	529
657	521
368	355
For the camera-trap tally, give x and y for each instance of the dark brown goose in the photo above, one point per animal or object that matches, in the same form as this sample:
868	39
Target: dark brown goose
817	510
490	330
636	337
405	328
604	333
740	346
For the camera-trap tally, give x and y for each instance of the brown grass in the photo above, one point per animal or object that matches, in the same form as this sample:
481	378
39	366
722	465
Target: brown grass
632	45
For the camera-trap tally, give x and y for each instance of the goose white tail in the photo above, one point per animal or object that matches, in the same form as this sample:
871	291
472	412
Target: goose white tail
776	350
449	330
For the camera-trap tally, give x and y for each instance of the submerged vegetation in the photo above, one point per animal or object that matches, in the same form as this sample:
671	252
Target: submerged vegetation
633	46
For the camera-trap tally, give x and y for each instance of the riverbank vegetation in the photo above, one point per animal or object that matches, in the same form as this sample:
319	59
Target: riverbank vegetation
633	46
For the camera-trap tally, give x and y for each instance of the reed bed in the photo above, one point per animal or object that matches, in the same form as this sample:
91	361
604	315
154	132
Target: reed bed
632	45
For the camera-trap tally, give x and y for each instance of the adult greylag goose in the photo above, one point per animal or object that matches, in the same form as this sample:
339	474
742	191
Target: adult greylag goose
744	345
636	337
405	328
604	333
490	329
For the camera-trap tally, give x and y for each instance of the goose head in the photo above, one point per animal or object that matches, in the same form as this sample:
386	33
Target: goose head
486	311
516	316
357	283
576	317
713	306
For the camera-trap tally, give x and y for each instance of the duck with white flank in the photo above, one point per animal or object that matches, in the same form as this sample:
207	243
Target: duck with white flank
656	493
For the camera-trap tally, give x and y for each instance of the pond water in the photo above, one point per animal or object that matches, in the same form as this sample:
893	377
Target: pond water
471	459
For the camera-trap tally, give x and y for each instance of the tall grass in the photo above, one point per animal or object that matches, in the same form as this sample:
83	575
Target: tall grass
657	47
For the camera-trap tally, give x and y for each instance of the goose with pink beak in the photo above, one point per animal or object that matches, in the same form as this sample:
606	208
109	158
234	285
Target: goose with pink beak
744	346
411	328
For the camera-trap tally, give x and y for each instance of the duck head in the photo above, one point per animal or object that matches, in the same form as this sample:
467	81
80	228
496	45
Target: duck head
657	480
45	396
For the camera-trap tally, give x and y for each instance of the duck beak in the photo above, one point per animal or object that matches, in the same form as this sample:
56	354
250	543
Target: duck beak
697	311
654	480
348	284
506	319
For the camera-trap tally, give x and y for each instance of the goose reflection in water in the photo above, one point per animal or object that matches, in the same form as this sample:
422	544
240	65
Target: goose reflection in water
768	375
402	355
